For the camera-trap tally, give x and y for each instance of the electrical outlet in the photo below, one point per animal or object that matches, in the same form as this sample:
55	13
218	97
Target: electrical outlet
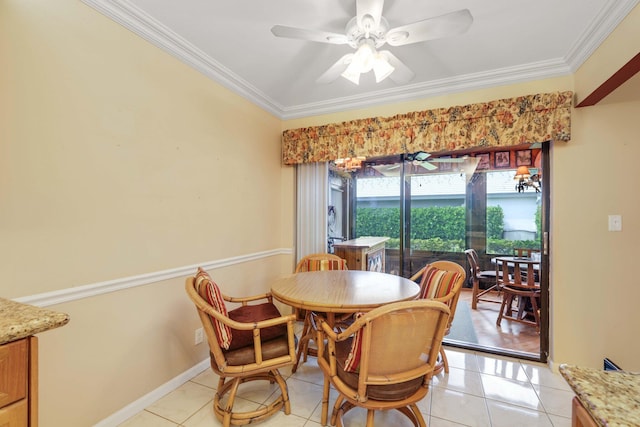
199	336
615	222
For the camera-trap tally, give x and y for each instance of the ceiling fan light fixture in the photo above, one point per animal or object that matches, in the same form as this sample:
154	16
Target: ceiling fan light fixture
366	59
362	62
351	74
381	68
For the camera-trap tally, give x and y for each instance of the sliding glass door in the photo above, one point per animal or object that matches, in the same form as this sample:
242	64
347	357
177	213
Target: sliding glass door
435	208
419	204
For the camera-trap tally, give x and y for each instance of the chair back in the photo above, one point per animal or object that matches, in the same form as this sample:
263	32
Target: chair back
321	262
517	275
474	263
446	291
398	343
524	252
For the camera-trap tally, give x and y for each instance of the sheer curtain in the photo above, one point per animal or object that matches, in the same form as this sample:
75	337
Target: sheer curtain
311	208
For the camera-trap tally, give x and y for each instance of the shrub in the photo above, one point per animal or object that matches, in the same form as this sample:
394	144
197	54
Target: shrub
438	229
495	222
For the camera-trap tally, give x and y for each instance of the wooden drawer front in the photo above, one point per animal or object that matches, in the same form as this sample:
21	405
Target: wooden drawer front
580	416
13	372
15	415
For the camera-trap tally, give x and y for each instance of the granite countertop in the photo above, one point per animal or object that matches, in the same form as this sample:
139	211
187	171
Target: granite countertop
611	397
19	320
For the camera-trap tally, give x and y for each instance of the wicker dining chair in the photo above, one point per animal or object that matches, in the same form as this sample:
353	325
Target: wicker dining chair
313	262
248	343
383	361
442	281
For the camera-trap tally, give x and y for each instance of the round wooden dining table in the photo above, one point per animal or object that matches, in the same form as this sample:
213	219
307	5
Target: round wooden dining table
342	291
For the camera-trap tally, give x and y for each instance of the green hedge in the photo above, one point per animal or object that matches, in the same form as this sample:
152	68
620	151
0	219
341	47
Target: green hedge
438	229
495	222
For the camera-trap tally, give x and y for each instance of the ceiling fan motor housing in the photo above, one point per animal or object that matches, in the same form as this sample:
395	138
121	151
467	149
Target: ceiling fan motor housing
357	35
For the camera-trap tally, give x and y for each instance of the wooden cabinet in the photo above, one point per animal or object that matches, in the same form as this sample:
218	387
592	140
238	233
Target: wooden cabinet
15	415
580	416
18	383
363	253
19	324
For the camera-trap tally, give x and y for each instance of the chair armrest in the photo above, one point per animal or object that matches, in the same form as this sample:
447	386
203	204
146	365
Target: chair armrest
244	300
332	335
249	325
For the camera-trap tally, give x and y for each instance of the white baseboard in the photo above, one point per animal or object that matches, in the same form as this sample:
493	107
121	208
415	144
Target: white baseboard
133	408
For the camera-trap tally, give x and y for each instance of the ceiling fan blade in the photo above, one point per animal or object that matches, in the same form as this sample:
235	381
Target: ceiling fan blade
428	166
402	74
311	35
335	70
387	170
449	24
448	160
372	8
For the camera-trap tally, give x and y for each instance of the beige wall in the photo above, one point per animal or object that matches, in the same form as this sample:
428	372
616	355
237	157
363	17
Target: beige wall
118	160
593	272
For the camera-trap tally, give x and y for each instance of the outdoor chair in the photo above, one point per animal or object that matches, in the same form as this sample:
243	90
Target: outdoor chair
525	292
527	253
524	252
478	277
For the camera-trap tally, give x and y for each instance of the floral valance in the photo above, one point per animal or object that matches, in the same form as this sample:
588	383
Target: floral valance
501	123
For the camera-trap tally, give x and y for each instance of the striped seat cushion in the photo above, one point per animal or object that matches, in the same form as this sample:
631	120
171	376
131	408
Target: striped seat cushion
352	362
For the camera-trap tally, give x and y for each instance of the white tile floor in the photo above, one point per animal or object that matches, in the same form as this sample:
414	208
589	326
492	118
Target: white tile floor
480	390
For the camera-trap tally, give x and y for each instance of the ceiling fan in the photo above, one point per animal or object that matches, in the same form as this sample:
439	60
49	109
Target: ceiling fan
422	159
419	159
368	31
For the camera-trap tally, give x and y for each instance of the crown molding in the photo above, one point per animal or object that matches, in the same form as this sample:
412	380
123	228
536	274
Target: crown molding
136	20
600	28
491	78
139	22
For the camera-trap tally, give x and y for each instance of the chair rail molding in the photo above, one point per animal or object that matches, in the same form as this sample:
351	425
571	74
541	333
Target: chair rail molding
86	291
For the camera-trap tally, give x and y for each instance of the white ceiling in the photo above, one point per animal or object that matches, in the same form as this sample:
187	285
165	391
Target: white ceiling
230	41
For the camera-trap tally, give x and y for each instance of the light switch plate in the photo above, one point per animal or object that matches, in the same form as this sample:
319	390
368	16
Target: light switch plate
615	222
198	336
